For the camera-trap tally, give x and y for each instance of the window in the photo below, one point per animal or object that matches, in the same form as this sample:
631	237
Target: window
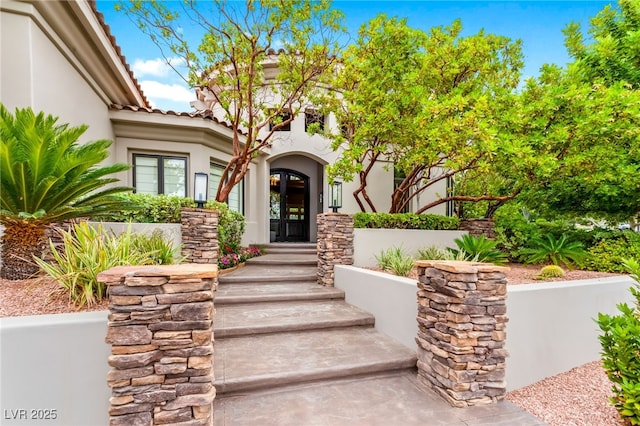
160	174
282	117
235	201
313	117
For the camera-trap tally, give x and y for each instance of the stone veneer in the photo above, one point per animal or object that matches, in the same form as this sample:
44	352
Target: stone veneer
477	227
462	315
161	333
199	235
335	245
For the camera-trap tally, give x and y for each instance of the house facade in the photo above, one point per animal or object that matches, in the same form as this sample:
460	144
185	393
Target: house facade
60	58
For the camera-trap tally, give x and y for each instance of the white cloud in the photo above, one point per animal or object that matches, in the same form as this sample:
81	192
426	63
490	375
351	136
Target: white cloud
155	67
156	91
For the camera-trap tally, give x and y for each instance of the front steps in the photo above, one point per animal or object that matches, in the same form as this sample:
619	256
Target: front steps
275	327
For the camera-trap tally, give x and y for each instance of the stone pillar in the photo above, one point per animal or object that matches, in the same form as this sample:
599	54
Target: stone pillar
462	315
200	235
477	227
335	244
161	334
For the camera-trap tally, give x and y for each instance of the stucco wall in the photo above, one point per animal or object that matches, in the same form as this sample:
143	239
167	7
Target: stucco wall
550	328
368	243
35	72
55	362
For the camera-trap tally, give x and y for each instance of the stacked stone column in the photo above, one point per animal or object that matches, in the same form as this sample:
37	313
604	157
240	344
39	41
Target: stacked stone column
335	245
461	330
161	334
478	227
199	229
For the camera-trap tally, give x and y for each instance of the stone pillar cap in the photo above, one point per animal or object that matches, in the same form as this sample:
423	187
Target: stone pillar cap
185	270
460	266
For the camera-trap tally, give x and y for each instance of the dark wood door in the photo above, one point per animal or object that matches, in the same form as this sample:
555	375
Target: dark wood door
289	205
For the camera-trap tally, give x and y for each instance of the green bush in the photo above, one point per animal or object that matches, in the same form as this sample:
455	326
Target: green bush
607	255
558	251
157	247
146	208
550	271
231	225
394	260
437	253
89	250
480	249
620	341
404	221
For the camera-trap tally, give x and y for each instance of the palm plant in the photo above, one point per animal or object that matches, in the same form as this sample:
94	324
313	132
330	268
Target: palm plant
46	177
557	251
479	249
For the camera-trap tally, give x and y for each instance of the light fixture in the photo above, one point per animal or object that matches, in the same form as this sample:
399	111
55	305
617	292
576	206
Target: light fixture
200	185
335	196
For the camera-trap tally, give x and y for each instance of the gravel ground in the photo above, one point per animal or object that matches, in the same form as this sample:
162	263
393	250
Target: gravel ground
578	397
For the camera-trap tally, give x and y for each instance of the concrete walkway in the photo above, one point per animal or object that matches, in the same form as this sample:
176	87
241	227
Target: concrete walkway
290	352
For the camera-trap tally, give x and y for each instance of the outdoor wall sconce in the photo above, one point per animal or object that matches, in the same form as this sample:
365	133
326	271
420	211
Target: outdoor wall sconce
200	185
335	196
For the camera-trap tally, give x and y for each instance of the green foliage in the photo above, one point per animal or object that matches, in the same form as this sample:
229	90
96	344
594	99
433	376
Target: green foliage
550	271
237	42
416	99
480	249
608	254
437	253
558	251
88	251
404	221
147	208
46	175
394	260
620	341
159	249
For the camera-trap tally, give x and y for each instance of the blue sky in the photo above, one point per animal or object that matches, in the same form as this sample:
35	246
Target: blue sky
537	23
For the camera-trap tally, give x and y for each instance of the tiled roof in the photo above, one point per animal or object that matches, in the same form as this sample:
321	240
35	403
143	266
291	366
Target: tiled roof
206	114
107	31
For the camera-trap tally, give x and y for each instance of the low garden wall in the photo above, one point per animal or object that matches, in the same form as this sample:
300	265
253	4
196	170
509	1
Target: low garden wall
53	370
368	243
550	328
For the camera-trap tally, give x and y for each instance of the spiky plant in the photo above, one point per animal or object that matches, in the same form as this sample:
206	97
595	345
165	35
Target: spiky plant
480	249
46	176
558	251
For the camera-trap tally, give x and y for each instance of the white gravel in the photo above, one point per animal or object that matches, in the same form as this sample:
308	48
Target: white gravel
579	397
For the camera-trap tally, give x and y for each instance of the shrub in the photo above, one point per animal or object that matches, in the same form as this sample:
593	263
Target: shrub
395	261
231	226
479	249
437	253
157	247
146	208
608	254
551	271
87	251
404	221
229	260
558	251
620	341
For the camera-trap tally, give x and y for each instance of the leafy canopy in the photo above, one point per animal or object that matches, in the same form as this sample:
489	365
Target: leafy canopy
46	175
258	64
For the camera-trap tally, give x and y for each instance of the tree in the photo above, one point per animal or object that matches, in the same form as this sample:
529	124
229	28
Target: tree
46	177
257	66
430	104
614	53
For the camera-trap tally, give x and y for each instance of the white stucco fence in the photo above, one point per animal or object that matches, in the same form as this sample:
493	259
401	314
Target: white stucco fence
369	243
550	329
54	362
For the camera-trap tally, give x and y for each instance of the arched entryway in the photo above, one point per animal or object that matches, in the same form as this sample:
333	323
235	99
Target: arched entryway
288	205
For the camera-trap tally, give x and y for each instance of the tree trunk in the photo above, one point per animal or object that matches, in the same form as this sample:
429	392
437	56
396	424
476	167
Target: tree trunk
21	241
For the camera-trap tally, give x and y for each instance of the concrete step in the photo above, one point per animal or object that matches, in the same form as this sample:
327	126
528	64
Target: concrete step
284	259
291	248
278	317
270	274
275	292
277	360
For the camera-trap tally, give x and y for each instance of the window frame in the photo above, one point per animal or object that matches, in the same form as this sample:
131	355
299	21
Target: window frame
286	115
160	167
312	116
